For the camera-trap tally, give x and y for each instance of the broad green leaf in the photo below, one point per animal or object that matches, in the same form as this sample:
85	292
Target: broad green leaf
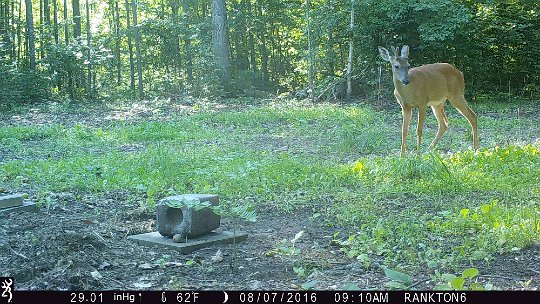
351	286
442	287
448	277
363	258
486	208
458	283
300	271
476	286
469	273
396	285
398	276
310	285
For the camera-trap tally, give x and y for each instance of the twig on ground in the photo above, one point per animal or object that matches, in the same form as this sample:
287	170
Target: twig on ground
419	283
116	281
496	277
535	271
19	254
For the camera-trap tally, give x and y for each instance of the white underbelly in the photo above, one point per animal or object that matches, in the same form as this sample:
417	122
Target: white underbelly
436	102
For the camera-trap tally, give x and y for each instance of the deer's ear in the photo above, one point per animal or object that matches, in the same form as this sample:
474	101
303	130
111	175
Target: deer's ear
405	51
395	51
384	53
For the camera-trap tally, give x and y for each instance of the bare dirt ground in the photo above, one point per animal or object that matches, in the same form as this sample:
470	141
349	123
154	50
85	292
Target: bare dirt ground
81	244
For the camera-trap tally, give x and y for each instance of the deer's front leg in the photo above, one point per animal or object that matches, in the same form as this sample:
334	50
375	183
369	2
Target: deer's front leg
407	112
421	118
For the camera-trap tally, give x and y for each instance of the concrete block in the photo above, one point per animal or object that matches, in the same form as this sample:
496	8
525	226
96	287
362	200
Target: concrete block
213	238
26	206
187	221
13	200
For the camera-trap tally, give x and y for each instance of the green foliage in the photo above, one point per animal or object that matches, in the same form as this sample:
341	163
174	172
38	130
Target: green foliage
495	43
441	31
194	204
428	211
239	210
19	85
499	228
398	280
289	252
465	281
462	282
400	230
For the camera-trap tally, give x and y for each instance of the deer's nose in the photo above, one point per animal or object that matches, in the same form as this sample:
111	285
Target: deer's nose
405	81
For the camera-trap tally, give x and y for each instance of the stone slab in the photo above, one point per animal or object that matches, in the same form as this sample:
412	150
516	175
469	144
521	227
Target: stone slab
13	200
185	220
27	206
214	238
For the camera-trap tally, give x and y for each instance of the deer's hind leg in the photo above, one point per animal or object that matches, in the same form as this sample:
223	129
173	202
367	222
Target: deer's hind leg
442	120
461	105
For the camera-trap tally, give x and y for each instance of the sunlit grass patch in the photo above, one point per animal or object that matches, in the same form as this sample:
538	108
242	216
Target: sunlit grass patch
339	162
430	226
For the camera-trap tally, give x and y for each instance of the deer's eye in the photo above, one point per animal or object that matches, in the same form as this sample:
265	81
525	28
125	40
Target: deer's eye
396	66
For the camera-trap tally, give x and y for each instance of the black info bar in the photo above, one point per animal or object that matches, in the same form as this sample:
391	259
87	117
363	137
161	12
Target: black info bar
246	297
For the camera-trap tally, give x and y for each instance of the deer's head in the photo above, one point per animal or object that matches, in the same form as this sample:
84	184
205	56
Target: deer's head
399	62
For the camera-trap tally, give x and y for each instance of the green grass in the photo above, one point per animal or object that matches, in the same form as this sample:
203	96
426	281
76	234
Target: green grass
436	210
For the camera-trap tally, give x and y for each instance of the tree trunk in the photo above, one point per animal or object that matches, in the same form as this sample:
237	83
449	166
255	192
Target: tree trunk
117	44
46	12
13	33
41	28
58	80
175	7
55	21
114	24
350	58
78	77
138	50
5	29
264	49
76	20
241	58
66	40
88	44
252	55
130	48
30	34
310	51
187	43
330	51
19	44
220	42
66	23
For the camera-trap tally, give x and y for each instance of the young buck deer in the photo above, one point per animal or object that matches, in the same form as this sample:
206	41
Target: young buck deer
427	85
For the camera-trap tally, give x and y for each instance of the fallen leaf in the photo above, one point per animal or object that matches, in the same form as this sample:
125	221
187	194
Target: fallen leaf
147	266
142	285
218	257
96	275
104	265
173	264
